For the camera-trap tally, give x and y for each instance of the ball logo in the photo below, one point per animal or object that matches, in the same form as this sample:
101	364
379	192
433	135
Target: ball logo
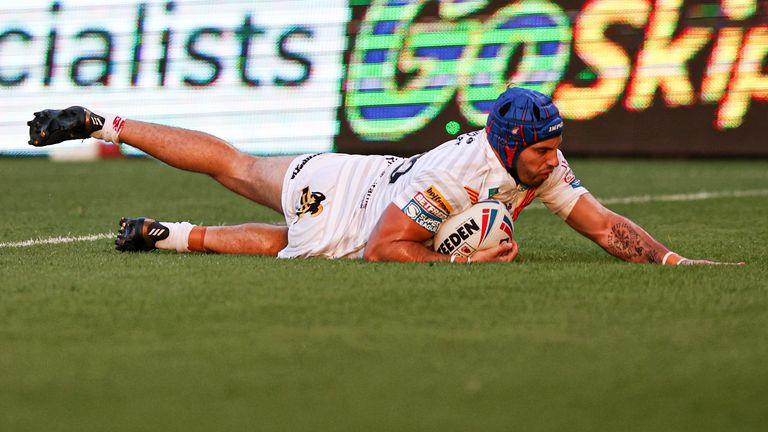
456	238
482	226
506	226
489	216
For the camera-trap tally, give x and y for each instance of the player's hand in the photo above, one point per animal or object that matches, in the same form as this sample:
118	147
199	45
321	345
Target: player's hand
692	262
505	252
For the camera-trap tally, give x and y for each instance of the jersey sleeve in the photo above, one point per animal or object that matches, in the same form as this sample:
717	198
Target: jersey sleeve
431	197
561	190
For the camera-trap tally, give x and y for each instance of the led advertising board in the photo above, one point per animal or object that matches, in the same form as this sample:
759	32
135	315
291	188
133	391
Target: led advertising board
638	77
265	75
664	77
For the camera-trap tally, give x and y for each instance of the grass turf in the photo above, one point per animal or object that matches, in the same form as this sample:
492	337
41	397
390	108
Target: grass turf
566	338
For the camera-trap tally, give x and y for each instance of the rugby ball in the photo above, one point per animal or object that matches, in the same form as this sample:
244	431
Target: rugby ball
482	226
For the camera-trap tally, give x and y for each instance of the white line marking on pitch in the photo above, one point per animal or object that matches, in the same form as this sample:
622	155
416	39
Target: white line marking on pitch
639	199
56	240
696	196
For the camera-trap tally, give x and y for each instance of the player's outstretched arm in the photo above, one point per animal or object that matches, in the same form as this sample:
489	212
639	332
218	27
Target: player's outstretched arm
623	238
396	237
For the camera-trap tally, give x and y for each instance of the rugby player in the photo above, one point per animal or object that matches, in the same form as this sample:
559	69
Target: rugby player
339	205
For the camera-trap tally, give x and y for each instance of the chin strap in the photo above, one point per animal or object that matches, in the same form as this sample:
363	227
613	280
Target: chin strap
508	154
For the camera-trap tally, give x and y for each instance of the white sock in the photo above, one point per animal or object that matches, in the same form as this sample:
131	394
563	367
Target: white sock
178	236
110	131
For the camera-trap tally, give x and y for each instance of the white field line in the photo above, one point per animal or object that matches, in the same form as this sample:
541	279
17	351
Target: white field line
56	240
638	199
696	196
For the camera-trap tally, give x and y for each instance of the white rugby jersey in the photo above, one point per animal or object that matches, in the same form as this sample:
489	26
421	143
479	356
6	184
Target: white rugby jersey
332	202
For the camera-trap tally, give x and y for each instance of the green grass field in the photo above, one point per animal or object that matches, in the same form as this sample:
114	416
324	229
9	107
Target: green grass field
566	338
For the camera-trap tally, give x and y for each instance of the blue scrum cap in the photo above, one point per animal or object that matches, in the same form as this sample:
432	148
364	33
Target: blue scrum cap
520	118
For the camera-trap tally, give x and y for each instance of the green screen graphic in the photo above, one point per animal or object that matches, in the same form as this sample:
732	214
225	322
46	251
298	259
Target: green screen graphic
638	77
465	56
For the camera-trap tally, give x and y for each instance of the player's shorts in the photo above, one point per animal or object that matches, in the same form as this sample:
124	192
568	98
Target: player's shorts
321	206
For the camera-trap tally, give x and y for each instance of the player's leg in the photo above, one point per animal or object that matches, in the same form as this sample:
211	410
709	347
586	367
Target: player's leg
144	234
250	238
257	178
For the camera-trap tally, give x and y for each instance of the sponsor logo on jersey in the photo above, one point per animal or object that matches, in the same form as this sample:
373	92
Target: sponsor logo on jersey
473	194
492	191
364	203
421	216
301	164
436	197
428	222
412	210
456	239
569	177
427	206
310	203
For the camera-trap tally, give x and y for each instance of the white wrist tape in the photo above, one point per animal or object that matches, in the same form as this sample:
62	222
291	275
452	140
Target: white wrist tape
110	131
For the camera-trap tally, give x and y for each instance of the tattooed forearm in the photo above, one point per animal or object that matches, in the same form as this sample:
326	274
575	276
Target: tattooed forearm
631	244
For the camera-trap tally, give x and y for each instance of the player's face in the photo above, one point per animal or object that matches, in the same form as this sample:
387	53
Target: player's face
538	161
